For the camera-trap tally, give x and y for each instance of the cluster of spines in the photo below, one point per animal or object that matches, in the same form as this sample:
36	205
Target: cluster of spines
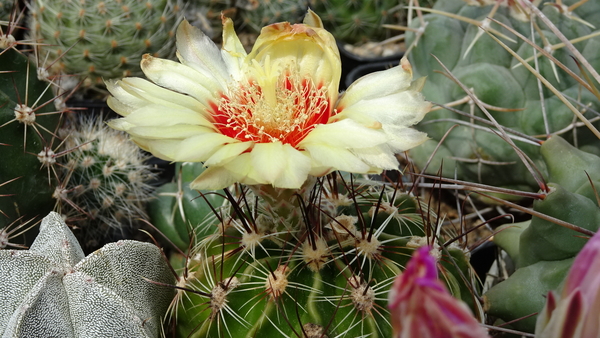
44	171
335	263
29	115
104	180
99	40
258	14
358	21
525	106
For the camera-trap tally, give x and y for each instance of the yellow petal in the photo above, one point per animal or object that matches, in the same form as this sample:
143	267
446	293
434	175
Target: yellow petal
227	152
376	157
280	164
241	168
337	158
151	93
403	108
122	101
198	51
213	179
310	50
120	124
318	171
163	149
157	115
233	51
269	159
378	84
200	147
181	78
119	107
402	139
178	131
312	19
344	134
296	171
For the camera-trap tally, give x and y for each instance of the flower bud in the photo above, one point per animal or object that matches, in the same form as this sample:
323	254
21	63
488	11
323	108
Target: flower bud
421	306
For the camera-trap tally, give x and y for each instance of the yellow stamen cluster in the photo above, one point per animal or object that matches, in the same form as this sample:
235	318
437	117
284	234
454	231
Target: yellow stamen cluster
283	109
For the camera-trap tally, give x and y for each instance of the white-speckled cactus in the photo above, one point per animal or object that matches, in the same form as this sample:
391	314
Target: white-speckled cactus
104	181
52	290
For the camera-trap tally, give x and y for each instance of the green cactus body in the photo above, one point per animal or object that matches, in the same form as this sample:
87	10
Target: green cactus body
497	79
546	241
52	290
99	40
283	268
258	14
524	293
178	211
544	251
104	180
206	15
6	8
357	21
25	126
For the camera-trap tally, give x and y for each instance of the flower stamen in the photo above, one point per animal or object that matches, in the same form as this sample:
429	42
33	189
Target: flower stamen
285	110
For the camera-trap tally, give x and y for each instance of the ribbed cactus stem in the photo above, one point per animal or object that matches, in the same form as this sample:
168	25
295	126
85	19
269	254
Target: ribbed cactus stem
98	40
283	207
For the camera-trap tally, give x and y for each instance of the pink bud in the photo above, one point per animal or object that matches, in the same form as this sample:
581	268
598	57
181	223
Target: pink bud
576	312
421	306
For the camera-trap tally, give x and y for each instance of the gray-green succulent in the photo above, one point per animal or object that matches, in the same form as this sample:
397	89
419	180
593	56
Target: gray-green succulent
52	290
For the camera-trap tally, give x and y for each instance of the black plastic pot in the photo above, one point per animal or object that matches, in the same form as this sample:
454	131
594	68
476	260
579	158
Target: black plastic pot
483	257
368	68
353	64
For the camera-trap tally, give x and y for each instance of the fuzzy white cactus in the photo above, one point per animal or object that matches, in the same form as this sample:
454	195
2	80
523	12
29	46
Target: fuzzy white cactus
52	290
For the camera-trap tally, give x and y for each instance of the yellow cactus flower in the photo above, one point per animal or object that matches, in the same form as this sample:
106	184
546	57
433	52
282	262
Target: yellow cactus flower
272	116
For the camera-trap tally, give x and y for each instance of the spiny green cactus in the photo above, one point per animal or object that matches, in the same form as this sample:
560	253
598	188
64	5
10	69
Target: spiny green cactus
357	21
177	211
543	250
99	40
206	15
250	14
7	7
103	180
317	262
52	290
97	173
499	80
96	176
26	126
257	14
